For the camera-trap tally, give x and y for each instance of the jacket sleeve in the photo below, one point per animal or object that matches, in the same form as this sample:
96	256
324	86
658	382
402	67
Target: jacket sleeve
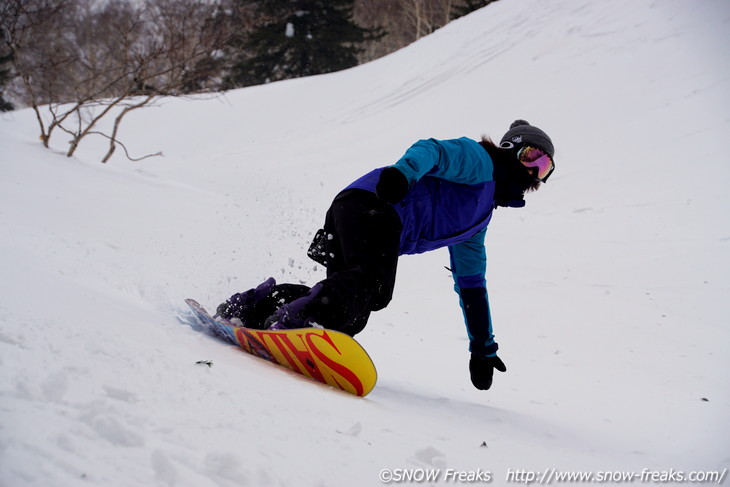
458	160
468	266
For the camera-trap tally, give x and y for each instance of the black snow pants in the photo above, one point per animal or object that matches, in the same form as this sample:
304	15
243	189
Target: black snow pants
361	240
359	245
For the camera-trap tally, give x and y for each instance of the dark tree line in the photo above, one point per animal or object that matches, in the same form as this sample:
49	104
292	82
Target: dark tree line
294	38
75	64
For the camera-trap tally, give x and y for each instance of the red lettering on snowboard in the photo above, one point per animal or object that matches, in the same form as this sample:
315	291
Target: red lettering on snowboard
308	355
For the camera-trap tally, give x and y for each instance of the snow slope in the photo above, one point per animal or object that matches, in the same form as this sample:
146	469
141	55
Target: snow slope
609	290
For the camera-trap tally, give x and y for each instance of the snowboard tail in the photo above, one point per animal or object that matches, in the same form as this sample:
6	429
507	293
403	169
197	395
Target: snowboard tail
327	356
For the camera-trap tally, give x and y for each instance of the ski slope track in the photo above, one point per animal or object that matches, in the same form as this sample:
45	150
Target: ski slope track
609	289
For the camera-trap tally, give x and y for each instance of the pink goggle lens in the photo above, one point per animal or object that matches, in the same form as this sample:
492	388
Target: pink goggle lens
534	157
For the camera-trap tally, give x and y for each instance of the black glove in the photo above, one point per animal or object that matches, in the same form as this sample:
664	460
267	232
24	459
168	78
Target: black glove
392	185
482	370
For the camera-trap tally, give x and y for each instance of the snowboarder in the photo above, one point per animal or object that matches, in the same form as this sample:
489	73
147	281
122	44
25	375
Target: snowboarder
441	193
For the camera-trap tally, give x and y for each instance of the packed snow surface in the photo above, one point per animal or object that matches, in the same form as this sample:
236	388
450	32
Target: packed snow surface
609	290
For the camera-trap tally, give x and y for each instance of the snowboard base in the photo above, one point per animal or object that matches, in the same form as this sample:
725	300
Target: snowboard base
326	356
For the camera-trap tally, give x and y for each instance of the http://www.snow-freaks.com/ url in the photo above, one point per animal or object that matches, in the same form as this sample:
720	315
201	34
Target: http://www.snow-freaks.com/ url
549	476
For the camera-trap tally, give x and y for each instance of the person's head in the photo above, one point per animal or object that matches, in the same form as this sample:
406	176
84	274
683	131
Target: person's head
522	162
532	149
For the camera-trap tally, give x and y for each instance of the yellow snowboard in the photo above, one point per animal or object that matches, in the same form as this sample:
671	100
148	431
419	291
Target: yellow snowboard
327	356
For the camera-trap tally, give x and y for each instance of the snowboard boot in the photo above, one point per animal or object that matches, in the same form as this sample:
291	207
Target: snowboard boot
293	315
242	306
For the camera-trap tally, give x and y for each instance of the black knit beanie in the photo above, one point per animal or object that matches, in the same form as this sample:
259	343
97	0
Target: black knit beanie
521	133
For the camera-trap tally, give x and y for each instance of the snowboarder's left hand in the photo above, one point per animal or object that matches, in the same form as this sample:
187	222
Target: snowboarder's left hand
482	370
392	185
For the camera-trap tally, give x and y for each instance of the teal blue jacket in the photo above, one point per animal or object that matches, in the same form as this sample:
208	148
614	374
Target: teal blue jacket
449	204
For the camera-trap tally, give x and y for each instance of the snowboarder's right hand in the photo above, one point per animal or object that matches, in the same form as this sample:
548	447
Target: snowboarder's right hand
482	370
392	185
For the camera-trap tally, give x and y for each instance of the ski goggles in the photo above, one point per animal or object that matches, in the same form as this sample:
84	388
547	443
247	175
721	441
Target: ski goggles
532	157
